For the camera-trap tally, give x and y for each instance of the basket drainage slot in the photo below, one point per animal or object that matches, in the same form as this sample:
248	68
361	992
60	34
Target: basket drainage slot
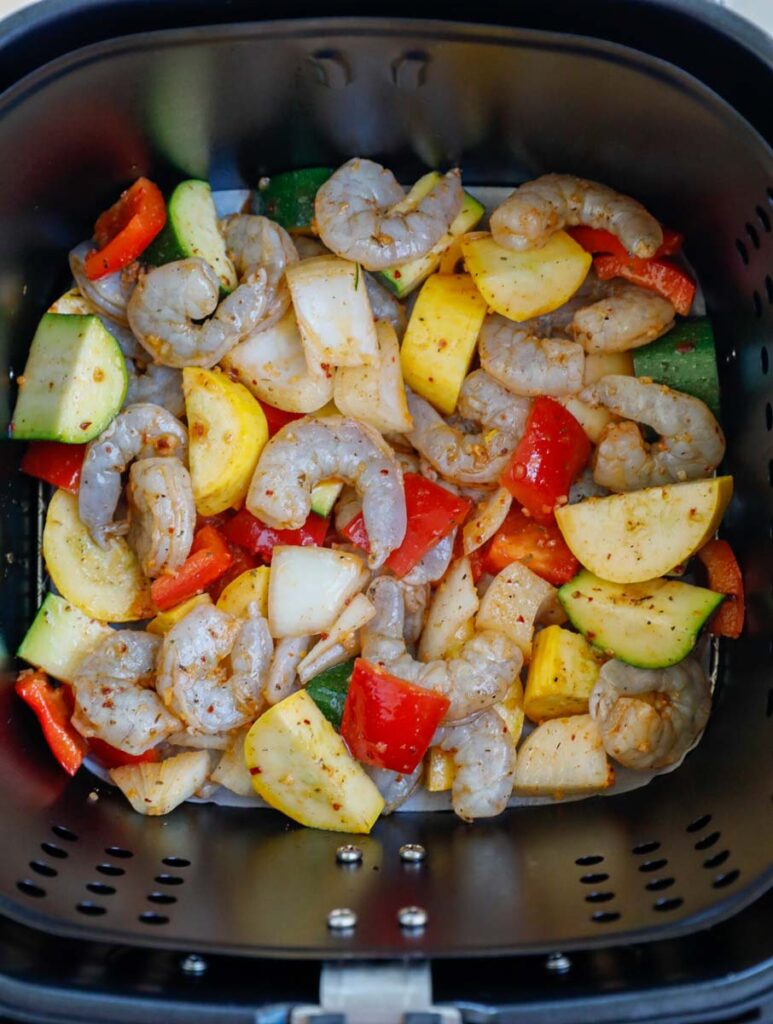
643	848
118	851
658	884
707	841
151	917
653	865
90	909
30	889
605	916
721	881
64	833
668	903
54	851
586	862
165	879
176	862
41	868
699	823
110	869
599	897
100	888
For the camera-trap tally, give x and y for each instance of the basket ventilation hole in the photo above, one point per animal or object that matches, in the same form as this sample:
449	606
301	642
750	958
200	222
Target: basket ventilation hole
754	238
646	848
90	909
605	916
100	888
589	860
118	851
659	884
757	303
110	869
41	868
721	881
707	841
769	287
161	897
769	708
653	865
768	416
668	903
594	879
743	252
770	196
64	833
30	889
763	218
699	823
176	862
764	362
151	917
770	472
599	897
716	859
54	851
169	879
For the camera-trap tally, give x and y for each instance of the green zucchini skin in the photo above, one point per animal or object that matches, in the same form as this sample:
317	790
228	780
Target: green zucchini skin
328	690
288	198
685	359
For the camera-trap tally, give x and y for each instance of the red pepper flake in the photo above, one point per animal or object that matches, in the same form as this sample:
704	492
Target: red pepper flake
685	347
336	807
256	771
397	274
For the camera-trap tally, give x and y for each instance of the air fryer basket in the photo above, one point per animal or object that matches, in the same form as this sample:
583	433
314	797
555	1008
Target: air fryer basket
233	103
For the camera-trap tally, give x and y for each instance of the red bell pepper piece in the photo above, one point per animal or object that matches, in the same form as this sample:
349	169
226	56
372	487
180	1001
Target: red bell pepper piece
249	532
551	452
241	561
388	722
539	546
208	560
432	511
597	240
124	231
725	578
53	706
278	418
56	463
659	275
112	757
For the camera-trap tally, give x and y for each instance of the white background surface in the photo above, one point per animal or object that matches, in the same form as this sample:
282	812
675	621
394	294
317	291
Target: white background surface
758	11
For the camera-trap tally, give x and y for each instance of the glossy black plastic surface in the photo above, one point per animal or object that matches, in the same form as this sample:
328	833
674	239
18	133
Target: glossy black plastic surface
235	102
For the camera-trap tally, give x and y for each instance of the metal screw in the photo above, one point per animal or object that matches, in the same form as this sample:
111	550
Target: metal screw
194	964
341	919
558	963
349	854
412	853
731	355
412	918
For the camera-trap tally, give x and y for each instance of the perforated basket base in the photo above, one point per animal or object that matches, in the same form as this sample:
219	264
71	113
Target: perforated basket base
690	848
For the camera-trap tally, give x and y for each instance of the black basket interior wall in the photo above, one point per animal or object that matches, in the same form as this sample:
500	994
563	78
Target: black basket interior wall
233	103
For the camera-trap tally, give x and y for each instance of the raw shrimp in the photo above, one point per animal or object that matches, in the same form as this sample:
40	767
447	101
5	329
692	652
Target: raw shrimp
394	787
159	385
309	450
194	678
139	432
355	217
527	363
537	209
691	441
108	295
415	601
384	306
114	696
256	243
288	654
169	300
649	718
483	753
478	458
475	680
162	514
623	317
434	564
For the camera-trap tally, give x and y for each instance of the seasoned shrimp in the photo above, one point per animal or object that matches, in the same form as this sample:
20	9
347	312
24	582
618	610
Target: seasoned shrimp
394	787
288	654
114	696
478	458
356	219
475	680
256	243
139	432
162	514
621	317
649	718
415	602
309	450
168	302
434	564
109	295
537	209
483	753
691	441
194	678
527	363
159	385
384	306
